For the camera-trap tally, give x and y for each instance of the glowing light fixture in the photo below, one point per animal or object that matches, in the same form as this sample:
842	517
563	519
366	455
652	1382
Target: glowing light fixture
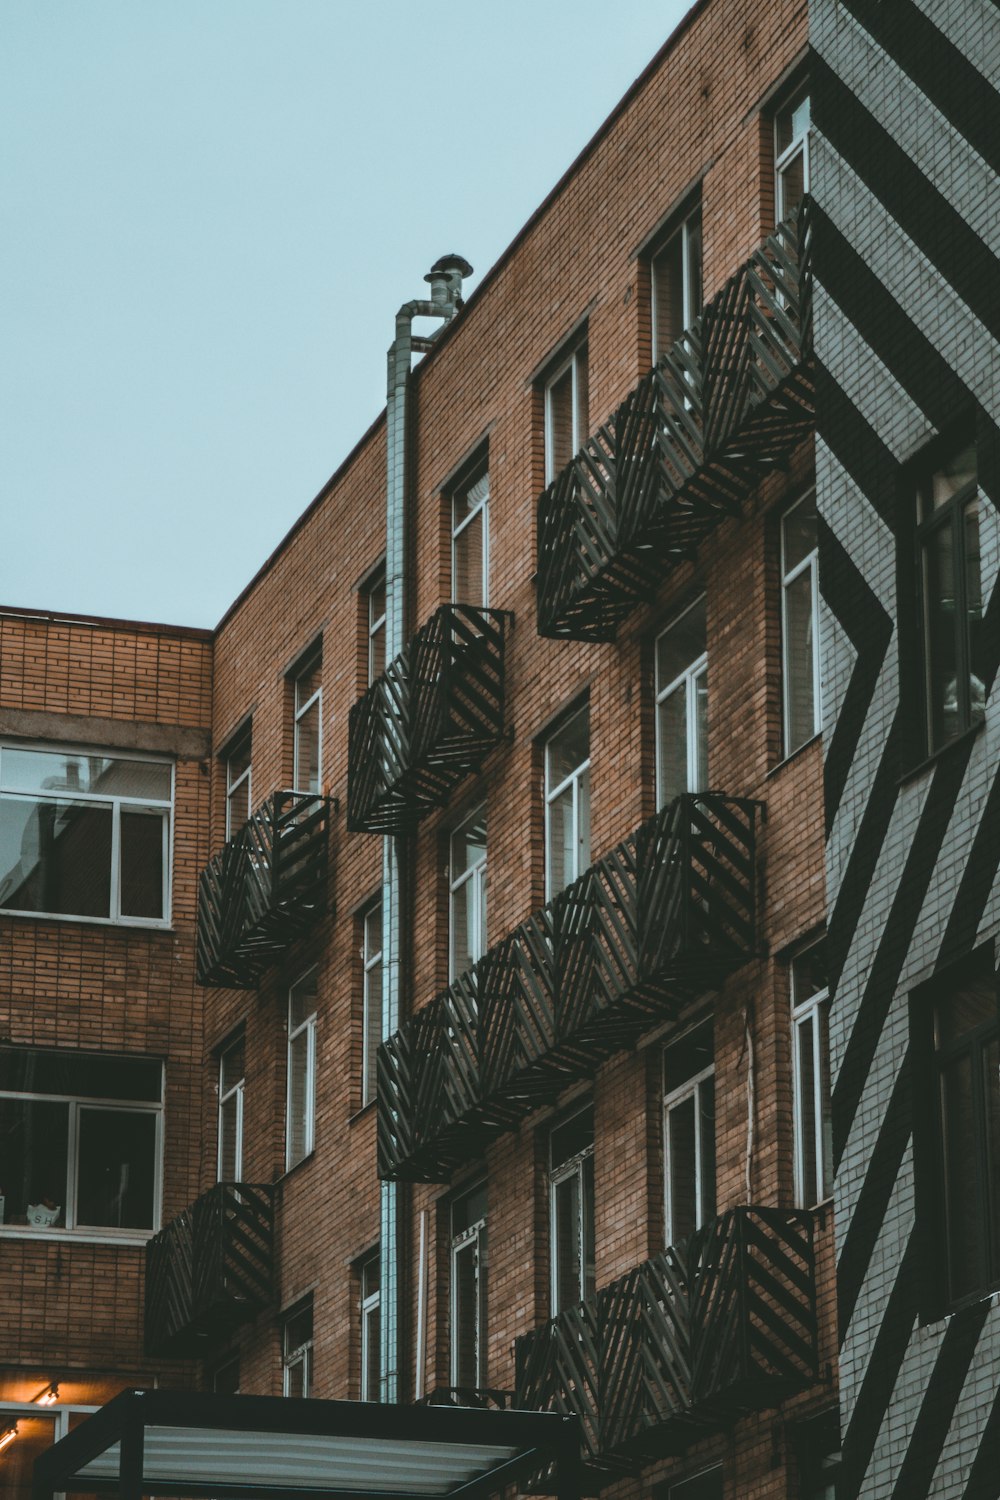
7	1437
48	1397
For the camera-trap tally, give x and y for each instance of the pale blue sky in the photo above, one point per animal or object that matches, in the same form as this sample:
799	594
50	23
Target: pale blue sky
211	211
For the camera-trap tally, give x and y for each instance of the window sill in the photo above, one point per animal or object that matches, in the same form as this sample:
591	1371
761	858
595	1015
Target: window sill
134	1238
977	1299
359	1114
794	754
952	747
130	924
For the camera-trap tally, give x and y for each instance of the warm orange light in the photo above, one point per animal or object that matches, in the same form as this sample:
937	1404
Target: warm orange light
7	1437
48	1397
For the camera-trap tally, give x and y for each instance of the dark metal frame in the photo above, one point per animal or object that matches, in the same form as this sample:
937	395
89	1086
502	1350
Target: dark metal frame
540	1437
662	918
718	1326
210	1269
728	403
430	719
263	889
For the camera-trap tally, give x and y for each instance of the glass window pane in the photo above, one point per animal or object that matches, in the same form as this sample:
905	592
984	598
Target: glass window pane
668	296
34	1436
230	1143
561	842
307	768
690	1055
75	771
953	476
298	1143
238	807
468	1209
799	648
143	836
467	582
465	1304
806	1109
34	1145
700	780
940	636
373	1353
568	748
567	1242
974	612
798	532
571	1138
965	1229
809	974
56	857
232	1065
682	1166
672	745
680	646
559	416
25	1070
117	1169
706	1110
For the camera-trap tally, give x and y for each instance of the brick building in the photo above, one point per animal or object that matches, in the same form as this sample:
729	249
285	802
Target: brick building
488	1059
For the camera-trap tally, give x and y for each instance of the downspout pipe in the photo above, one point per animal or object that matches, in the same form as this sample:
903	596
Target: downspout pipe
445	279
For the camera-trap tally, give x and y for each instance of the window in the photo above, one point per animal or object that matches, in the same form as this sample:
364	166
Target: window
817	1443
371	998
791	155
689	1132
567	802
85	834
371	1352
682	706
675	283
225	1378
231	1086
307	683
704	1486
800	624
374	594
951	600
467	894
470	543
80	1140
811	1077
958	1043
297	1350
238	791
468	1289
565	411
571	1209
300	1109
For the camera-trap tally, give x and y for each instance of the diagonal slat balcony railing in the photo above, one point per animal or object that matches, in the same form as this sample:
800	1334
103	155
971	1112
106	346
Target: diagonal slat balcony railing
430	719
711	1329
210	1269
262	890
663	917
725	405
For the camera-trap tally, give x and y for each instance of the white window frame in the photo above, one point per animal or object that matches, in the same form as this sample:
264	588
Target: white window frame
691	285
69	1229
11	1412
686	682
117	802
798	145
301	1355
307	1028
813	1010
472	1238
235	1091
578	782
233	784
370	1302
570	1166
573	361
810	564
312	660
376	623
474	877
690	1089
371	999
481	507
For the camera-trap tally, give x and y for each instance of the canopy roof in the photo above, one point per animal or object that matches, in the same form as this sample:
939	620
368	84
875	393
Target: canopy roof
205	1445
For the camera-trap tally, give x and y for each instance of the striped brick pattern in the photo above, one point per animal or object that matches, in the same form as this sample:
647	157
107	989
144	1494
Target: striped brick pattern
907	321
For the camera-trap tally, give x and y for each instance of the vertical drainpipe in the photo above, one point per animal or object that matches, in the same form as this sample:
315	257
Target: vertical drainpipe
445	280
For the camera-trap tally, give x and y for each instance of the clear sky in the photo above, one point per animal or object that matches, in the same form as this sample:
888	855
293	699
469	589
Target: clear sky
211	211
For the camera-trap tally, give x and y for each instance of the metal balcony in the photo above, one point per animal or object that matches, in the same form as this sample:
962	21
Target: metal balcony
714	1328
262	890
727	404
428	721
662	918
210	1270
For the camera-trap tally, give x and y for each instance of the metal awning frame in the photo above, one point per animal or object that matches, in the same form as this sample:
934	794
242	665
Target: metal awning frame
539	1440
